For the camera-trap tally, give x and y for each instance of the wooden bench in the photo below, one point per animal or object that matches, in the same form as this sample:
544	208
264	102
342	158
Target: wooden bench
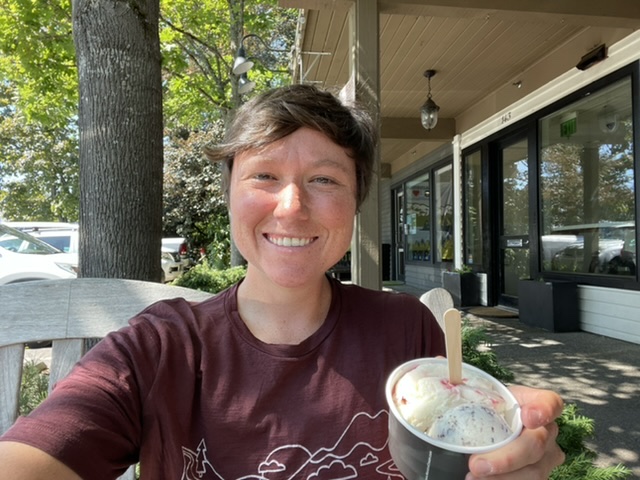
66	312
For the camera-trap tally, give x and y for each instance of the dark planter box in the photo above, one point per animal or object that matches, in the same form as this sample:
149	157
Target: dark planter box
552	306
463	287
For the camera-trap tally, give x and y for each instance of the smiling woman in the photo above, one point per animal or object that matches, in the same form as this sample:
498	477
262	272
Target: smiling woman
289	207
288	364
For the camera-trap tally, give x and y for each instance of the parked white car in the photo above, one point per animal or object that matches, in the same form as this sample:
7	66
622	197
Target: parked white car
64	236
175	260
25	258
613	251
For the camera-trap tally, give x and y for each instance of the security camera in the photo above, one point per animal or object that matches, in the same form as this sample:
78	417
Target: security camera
608	120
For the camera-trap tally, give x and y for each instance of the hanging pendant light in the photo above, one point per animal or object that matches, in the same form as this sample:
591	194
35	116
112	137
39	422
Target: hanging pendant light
429	110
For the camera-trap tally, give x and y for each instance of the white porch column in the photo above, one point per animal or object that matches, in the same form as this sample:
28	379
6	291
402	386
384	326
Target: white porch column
364	86
458	213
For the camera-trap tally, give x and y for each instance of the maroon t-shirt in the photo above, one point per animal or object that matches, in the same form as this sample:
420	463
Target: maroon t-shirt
191	393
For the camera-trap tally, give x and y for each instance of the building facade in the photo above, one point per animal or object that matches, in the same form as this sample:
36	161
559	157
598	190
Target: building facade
536	177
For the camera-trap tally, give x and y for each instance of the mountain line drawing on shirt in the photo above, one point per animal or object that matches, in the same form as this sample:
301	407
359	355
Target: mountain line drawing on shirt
351	456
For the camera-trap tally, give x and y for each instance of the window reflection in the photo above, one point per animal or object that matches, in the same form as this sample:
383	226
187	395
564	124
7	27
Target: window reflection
587	185
473	208
444	209
419	218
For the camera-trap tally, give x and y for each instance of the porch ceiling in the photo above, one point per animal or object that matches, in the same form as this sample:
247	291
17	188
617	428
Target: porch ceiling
480	49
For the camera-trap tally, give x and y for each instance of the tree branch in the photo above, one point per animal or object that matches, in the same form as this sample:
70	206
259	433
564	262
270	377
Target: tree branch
212	48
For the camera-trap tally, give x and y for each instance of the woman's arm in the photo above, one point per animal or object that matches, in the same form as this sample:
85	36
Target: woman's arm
23	462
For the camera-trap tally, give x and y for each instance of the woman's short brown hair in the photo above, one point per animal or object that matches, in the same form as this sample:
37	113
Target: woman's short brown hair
277	113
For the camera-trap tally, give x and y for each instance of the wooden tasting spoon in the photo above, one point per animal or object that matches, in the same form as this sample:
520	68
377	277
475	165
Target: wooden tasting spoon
453	336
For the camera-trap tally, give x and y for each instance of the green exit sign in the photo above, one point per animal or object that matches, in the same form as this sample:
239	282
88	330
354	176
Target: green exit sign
568	127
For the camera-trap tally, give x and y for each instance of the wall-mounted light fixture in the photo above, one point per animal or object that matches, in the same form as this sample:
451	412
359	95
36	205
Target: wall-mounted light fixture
591	58
429	110
242	64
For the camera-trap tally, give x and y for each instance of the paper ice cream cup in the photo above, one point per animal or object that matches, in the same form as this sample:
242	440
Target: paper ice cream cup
421	457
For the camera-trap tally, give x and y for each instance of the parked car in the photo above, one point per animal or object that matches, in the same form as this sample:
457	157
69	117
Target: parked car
64	236
175	257
615	253
25	258
178	245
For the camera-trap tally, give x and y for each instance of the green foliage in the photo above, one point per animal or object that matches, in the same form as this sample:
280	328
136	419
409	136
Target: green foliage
39	89
198	49
194	205
38	59
463	269
218	241
39	168
35	386
204	277
562	167
581	468
574	430
473	338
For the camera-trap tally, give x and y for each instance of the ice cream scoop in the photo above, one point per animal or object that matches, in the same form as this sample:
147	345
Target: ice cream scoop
470	425
425	394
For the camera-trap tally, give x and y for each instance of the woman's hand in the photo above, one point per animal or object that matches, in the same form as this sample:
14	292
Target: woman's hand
535	453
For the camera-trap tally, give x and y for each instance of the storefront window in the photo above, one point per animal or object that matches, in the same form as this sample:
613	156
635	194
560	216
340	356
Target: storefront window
473	208
419	219
587	185
444	208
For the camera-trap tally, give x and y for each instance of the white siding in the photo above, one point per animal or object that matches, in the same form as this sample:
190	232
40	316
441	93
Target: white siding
610	312
424	278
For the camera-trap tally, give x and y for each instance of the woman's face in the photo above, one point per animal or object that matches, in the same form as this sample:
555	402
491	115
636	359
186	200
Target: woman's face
292	206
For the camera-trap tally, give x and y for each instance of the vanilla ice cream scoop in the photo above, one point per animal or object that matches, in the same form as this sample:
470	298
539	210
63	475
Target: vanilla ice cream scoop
469	414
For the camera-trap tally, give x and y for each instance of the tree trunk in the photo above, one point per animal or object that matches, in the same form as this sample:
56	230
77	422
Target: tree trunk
236	12
120	123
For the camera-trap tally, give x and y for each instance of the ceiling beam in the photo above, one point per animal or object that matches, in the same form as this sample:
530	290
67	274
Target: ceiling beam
411	128
317	4
611	8
610	13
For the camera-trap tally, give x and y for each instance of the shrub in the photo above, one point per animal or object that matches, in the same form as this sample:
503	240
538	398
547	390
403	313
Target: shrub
574	430
204	277
34	387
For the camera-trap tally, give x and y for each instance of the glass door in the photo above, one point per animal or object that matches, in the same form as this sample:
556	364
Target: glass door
514	220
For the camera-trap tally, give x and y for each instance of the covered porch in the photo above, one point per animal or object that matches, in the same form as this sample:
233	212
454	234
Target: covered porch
498	66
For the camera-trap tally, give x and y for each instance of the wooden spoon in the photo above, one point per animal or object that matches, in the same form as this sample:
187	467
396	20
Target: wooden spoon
453	336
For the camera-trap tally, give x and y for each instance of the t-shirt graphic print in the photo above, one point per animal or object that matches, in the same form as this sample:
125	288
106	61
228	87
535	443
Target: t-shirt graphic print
348	457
